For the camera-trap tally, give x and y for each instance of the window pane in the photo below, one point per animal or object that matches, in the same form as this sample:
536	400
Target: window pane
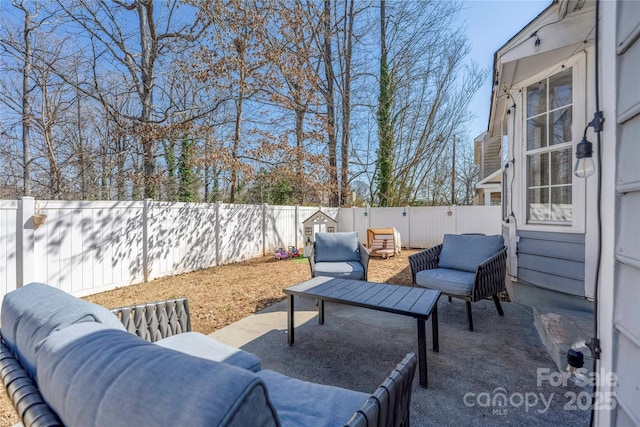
560	90
537	132
561	209
561	168
561	126
538	204
536	99
538	170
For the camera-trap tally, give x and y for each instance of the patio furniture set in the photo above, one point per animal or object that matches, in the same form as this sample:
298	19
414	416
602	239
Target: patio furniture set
142	365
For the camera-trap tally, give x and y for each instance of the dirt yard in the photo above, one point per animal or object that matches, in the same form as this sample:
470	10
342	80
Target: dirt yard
222	295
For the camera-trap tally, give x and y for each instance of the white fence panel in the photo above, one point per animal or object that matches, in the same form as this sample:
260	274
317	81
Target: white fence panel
280	228
181	238
428	225
86	247
241	229
8	245
479	219
422	227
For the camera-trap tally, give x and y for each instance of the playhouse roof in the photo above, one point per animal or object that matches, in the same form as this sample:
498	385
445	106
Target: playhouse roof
319	217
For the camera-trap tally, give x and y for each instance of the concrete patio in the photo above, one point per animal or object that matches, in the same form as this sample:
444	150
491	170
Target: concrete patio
500	374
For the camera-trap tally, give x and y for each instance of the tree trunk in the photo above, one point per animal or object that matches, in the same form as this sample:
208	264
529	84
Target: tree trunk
385	125
346	105
237	132
330	103
26	103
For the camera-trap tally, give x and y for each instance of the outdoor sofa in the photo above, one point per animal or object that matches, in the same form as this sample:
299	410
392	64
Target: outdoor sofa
65	361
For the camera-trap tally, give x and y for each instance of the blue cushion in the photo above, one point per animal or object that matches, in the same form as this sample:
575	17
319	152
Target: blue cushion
31	313
301	403
330	247
92	376
455	282
200	345
341	270
467	252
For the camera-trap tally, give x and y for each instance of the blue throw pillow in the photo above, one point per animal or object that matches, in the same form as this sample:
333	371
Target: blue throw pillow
337	247
466	252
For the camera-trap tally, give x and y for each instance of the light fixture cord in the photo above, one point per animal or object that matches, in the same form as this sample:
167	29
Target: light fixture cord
598	129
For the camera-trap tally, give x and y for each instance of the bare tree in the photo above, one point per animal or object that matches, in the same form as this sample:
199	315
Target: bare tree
156	34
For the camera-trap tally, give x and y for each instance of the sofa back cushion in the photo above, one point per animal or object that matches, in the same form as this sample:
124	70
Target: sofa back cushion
335	247
466	252
92	375
31	313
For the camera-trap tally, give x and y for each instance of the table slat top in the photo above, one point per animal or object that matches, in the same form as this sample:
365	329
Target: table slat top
406	300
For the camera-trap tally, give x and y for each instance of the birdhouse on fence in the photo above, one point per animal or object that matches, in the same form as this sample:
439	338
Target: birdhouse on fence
318	222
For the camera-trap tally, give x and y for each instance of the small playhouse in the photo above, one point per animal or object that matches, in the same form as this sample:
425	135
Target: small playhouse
318	222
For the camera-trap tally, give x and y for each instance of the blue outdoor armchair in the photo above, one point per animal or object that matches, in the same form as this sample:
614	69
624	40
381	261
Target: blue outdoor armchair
339	255
469	267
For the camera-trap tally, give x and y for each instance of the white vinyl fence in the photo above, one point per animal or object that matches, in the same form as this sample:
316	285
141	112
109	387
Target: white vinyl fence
89	247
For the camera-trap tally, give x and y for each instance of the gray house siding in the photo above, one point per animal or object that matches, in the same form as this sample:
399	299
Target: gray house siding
492	159
552	261
626	317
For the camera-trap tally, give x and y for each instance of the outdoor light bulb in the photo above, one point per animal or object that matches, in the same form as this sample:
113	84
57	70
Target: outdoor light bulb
584	165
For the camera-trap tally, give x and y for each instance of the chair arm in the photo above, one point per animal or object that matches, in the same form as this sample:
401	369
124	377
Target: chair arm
24	393
312	258
364	259
490	276
156	320
389	405
424	260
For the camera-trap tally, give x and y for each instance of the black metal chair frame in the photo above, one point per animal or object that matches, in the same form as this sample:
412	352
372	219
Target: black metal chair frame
489	277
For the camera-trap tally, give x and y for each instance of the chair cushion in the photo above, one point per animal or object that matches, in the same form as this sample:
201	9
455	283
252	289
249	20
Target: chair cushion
92	376
301	403
31	313
467	252
453	282
330	247
340	270
200	345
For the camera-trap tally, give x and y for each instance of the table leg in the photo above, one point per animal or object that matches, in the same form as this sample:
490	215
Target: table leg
290	319
321	312
434	328
422	353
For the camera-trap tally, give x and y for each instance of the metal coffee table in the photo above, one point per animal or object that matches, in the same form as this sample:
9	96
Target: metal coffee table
416	302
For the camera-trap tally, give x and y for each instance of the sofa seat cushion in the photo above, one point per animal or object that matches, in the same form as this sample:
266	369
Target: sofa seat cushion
31	313
467	252
341	270
93	376
331	247
200	345
301	403
449	281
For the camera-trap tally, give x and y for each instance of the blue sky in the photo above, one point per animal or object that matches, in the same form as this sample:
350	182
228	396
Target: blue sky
490	24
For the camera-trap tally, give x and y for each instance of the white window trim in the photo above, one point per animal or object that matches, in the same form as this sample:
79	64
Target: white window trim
579	107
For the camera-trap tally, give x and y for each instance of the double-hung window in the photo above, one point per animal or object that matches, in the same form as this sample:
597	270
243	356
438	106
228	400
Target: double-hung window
548	151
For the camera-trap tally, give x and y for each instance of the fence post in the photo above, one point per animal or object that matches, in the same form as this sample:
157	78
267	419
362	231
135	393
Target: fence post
295	226
26	239
146	212
264	229
217	231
